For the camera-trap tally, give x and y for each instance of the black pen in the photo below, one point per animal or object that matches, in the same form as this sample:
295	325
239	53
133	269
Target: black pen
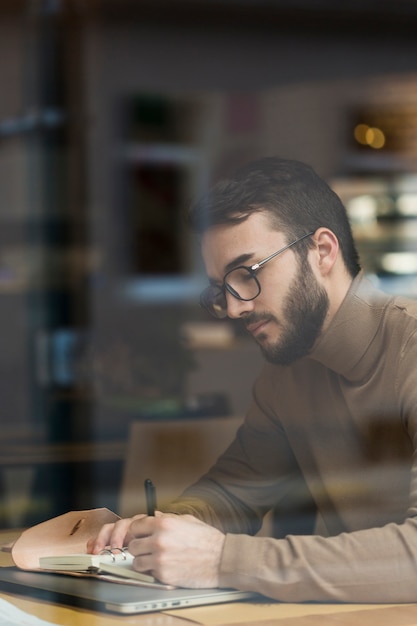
150	496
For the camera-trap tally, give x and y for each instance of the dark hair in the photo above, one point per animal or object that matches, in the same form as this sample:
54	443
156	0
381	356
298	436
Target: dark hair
297	199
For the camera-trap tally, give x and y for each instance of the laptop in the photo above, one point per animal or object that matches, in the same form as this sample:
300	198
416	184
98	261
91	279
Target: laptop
99	595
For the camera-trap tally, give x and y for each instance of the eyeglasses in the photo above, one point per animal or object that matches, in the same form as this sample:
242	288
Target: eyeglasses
241	282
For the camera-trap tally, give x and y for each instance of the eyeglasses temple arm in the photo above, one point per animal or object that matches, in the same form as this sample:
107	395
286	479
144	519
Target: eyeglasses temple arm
271	256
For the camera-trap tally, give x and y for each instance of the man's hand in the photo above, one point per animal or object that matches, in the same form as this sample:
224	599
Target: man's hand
115	535
176	549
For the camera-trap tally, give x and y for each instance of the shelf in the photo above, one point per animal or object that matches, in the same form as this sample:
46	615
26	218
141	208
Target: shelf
20	454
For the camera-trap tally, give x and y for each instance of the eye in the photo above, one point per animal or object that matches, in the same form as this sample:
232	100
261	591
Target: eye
248	275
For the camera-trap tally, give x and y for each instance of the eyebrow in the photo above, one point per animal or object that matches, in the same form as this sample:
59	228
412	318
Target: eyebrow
240	260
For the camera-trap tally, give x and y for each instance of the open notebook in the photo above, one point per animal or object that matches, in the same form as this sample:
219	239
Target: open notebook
116	562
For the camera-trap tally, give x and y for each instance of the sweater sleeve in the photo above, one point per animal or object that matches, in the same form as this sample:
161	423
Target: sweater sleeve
256	473
374	565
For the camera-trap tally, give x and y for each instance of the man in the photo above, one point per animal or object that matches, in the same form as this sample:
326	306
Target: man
333	422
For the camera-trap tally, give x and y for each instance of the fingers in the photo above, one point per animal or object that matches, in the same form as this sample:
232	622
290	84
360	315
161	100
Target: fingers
177	550
146	544
143	526
115	535
110	535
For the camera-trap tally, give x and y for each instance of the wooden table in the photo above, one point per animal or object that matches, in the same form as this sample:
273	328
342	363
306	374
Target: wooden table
254	614
401	615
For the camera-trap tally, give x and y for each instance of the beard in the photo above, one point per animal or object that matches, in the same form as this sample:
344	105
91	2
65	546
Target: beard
304	312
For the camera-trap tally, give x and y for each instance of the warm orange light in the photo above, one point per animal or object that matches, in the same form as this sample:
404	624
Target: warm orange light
369	136
375	138
360	133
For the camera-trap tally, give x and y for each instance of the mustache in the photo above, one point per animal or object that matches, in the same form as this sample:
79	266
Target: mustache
256	318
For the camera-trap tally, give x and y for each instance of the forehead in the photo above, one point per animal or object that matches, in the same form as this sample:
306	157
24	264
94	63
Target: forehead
223	243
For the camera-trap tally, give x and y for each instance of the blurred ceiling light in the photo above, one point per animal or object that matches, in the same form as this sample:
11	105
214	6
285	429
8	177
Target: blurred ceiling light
406	183
375	138
407	204
399	262
360	133
369	136
362	209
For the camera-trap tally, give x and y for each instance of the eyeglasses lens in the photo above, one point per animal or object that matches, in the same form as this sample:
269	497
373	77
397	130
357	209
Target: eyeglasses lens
214	301
240	282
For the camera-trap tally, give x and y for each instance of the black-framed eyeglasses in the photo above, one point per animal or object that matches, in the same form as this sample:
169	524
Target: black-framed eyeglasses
241	282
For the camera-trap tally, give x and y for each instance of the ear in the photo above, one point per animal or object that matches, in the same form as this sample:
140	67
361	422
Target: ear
326	251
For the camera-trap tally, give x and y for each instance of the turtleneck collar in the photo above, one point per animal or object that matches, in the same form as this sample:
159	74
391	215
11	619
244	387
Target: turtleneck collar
346	345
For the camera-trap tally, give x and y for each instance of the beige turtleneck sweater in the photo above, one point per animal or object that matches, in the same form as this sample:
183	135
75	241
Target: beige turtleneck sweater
339	425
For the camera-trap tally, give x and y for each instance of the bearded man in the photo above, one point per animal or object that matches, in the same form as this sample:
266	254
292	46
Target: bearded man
333	420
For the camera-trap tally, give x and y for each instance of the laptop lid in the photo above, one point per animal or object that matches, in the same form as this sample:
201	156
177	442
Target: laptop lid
99	595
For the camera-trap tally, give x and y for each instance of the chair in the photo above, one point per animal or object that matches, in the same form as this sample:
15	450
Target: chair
173	454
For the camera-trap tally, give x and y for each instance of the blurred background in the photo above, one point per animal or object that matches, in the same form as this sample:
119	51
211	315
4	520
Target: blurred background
114	116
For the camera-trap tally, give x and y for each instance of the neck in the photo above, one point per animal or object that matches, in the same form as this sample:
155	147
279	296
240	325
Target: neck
337	287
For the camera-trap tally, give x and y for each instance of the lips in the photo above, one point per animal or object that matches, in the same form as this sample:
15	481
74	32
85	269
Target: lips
256	327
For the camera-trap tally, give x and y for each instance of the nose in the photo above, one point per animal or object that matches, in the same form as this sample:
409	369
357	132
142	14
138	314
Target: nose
238	308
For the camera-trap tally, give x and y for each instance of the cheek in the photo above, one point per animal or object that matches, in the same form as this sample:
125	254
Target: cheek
271	302
275	290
